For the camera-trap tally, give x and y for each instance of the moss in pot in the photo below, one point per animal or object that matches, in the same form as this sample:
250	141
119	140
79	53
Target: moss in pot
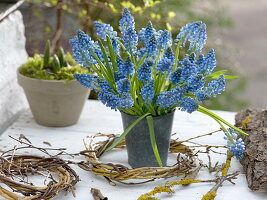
55	98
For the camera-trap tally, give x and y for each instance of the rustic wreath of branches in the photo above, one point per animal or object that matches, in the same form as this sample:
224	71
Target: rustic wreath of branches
187	162
14	172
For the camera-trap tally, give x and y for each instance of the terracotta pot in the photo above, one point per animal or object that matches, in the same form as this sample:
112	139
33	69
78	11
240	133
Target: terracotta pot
54	103
139	149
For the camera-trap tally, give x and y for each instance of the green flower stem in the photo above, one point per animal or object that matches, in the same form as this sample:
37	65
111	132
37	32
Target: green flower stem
97	71
112	54
127	130
138	108
141	61
162	82
177	51
122	46
150	123
214	116
106	59
221	125
109	77
158	84
152	110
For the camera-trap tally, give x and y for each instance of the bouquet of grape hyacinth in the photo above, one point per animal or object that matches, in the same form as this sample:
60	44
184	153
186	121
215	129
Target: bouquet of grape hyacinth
143	74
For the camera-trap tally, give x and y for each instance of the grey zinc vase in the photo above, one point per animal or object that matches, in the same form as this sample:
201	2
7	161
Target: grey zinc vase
139	149
54	103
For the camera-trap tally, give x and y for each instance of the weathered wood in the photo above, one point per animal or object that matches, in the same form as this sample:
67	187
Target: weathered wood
254	122
11	9
97	194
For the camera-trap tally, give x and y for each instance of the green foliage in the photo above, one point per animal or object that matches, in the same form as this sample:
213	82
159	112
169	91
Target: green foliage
35	68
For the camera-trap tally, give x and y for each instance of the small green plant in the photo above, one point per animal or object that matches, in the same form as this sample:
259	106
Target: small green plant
60	66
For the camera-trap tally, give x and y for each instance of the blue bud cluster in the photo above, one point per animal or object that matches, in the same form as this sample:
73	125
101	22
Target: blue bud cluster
147	92
83	46
123	86
130	39
195	82
164	65
126	101
208	63
235	145
125	68
103	30
175	77
189	105
127	26
109	99
195	33
88	80
127	21
164	39
169	99
169	54
151	46
188	69
115	45
144	71
216	87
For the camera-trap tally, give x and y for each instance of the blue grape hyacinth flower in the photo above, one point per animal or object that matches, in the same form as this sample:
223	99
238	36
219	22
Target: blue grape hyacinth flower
216	87
208	63
195	33
169	99
125	101
151	46
235	145
175	77
130	39
147	92
188	69
103	30
123	86
127	21
164	39
109	99
83	46
164	65
189	105
88	80
144	71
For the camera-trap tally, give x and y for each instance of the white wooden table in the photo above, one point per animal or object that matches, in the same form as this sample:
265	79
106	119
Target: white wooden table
97	118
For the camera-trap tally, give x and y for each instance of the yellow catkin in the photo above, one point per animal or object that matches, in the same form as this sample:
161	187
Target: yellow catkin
209	196
182	182
147	197
226	166
245	121
160	189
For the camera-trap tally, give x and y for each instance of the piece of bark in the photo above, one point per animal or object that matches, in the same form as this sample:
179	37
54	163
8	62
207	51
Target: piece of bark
255	161
97	194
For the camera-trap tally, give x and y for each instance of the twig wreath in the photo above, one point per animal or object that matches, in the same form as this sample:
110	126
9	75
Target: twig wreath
187	161
15	170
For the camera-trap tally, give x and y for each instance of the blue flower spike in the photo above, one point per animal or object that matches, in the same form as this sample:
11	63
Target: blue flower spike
195	33
103	30
235	145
